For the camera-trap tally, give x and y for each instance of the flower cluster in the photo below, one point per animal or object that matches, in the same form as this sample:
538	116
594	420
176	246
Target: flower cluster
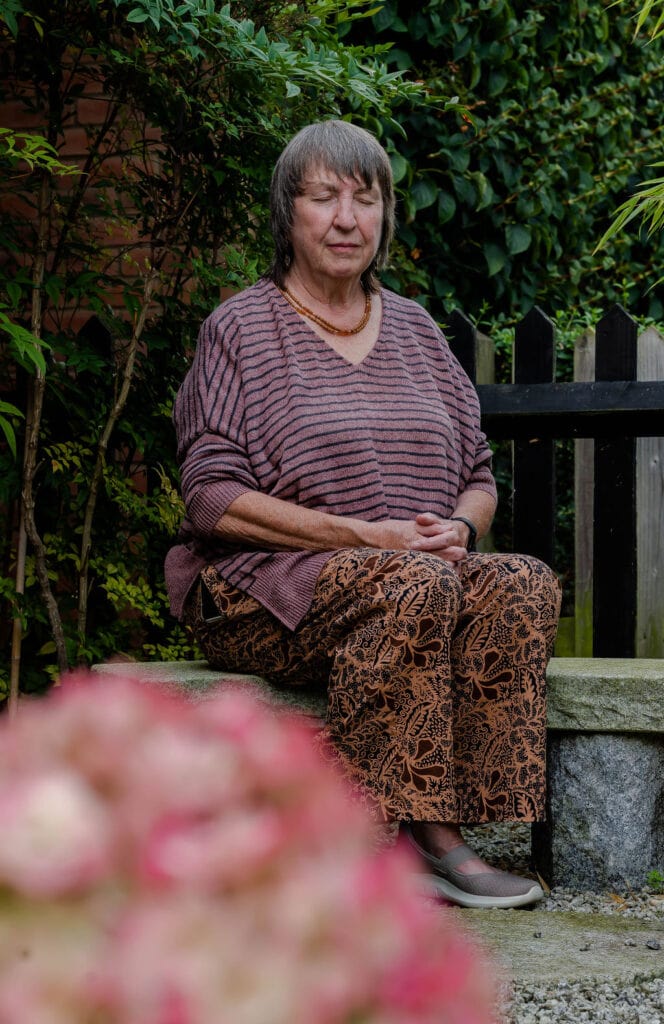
165	862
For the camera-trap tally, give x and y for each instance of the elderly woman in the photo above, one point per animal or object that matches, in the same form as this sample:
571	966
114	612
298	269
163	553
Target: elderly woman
335	480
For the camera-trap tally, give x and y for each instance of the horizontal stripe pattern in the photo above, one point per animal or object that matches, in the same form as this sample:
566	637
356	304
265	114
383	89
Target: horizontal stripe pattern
268	406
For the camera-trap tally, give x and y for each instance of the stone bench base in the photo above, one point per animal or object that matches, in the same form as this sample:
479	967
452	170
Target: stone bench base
605	769
605	816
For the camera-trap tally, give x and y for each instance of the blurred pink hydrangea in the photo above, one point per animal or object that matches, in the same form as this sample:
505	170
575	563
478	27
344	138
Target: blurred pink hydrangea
166	862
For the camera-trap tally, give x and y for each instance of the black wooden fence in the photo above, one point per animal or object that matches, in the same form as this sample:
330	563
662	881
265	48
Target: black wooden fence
614	409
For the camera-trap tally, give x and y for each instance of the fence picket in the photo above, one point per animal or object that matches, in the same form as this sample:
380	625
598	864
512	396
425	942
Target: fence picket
462	335
650	514
533	472
584	472
614	506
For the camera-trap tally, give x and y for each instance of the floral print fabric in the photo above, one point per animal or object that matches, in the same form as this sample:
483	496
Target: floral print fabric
435	677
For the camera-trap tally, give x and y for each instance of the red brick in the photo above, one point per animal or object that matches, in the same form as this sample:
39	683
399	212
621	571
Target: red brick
75	143
64	184
112	166
91	110
17	116
113	234
17	205
62	321
152	133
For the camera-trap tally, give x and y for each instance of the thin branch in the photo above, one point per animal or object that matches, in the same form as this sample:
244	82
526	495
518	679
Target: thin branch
27	523
78	192
149	289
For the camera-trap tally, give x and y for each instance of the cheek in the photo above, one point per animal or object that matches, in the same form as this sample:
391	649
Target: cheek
311	228
373	231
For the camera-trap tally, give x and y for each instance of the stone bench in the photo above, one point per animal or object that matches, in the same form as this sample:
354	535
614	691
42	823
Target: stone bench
605	824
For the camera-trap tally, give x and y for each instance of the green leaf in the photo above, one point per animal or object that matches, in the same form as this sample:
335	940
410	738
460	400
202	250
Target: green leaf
485	195
465	190
424	194
459	157
495	257
14	292
5	425
26	348
10	22
498	79
446	207
646	204
53	287
518	238
399	166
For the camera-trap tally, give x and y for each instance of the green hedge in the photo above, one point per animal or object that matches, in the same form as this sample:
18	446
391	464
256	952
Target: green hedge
506	210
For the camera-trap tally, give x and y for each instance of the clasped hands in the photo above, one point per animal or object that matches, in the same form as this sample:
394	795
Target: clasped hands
428	532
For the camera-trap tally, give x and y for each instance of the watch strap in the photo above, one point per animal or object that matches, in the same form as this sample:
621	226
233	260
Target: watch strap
472	534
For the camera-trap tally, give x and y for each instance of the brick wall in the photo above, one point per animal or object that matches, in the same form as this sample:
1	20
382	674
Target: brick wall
128	147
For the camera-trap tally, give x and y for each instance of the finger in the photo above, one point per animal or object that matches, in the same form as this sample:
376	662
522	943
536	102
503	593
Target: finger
433	542
450	552
426	518
454	554
435	529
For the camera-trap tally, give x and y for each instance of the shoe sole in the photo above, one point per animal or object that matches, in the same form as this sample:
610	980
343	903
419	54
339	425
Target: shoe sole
435	885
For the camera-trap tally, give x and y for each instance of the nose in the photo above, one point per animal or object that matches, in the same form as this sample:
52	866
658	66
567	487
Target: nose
344	217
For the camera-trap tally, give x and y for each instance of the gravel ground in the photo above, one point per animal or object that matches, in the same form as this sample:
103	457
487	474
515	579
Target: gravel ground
641	1001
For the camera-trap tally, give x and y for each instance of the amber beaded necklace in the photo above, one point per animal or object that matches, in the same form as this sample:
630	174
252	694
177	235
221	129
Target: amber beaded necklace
325	324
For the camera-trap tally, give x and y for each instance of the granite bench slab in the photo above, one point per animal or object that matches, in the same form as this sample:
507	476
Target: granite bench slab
624	695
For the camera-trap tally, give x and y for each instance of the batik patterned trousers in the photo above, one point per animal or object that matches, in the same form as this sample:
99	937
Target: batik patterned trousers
435	677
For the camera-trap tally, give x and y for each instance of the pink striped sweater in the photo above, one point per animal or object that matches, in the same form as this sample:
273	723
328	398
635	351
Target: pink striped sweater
268	406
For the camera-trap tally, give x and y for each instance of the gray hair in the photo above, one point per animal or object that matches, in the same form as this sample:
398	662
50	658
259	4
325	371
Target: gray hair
348	151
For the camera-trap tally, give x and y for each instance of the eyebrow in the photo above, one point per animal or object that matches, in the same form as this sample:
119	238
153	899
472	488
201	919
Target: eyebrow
333	187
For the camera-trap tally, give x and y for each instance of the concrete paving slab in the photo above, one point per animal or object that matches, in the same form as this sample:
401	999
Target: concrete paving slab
545	946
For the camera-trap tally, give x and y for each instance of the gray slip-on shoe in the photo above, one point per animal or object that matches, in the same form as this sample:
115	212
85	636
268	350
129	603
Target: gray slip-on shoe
484	890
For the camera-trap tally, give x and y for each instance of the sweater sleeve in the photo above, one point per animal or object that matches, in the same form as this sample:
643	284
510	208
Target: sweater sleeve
479	457
209	420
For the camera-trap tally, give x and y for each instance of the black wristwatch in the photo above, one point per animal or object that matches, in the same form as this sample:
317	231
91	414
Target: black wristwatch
472	531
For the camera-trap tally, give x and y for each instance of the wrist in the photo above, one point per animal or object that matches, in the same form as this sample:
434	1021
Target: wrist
471	543
364	534
384	534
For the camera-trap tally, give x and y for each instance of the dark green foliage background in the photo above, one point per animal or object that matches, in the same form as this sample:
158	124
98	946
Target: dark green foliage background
566	118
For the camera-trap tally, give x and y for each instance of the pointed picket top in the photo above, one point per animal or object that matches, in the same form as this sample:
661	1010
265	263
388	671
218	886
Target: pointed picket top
462	336
616	338
537	317
534	349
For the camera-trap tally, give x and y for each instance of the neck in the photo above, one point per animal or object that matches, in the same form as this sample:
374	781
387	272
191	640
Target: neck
340	295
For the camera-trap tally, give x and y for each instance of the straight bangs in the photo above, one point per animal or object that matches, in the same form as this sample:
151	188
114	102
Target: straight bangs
346	155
